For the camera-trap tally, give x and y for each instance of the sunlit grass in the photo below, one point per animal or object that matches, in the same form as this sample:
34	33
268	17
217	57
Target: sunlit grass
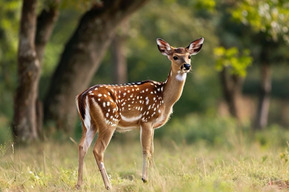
52	166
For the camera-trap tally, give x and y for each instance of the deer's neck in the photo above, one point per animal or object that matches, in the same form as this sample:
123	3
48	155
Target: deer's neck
173	87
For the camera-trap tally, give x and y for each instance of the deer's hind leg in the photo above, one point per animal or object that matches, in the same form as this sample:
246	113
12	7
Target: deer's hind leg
106	129
103	139
85	142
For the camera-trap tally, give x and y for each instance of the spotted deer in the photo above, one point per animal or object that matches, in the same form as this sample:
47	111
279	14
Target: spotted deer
144	105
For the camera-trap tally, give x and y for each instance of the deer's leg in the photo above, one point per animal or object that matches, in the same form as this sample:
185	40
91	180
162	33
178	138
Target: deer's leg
102	142
84	144
81	154
147	133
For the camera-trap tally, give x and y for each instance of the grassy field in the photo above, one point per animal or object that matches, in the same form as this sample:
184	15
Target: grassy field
198	154
52	166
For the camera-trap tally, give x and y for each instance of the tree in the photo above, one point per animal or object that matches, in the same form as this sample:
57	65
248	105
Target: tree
269	20
81	58
32	40
232	66
232	57
118	52
24	120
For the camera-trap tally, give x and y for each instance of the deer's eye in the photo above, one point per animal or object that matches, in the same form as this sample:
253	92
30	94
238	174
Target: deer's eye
189	57
175	57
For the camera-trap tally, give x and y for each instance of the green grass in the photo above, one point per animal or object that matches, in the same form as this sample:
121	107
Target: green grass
52	166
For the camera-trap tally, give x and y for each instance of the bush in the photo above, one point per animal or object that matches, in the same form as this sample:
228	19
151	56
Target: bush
221	131
194	129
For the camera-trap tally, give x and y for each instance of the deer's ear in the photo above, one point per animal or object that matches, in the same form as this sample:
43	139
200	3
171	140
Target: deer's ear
164	47
195	46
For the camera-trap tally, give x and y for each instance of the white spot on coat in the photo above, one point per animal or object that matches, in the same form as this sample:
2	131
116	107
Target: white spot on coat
130	119
147	100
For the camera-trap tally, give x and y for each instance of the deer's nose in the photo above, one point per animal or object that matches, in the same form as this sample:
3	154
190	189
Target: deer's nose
187	66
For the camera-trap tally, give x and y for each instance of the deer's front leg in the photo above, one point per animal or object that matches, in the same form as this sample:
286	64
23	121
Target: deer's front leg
147	134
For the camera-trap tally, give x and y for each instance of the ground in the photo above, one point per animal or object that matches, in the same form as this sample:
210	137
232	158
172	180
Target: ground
52	166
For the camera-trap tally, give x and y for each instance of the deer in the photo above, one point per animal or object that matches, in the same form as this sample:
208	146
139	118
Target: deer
144	105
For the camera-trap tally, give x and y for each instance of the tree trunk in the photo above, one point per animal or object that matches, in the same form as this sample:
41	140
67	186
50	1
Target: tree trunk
81	57
231	86
27	119
119	59
24	119
264	98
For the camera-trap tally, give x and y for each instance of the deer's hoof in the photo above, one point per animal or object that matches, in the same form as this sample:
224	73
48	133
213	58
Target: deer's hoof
144	180
108	187
77	186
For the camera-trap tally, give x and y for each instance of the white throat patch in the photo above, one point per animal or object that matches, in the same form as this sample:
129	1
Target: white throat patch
181	76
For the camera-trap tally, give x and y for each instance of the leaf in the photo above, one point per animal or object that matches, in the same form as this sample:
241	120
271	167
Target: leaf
231	58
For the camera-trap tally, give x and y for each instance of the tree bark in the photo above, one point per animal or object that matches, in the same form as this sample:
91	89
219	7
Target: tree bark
119	59
24	119
264	98
81	57
231	86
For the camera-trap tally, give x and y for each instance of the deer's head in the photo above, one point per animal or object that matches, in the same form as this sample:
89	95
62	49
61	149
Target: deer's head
180	57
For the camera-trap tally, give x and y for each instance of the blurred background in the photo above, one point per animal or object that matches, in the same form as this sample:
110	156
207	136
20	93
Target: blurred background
238	83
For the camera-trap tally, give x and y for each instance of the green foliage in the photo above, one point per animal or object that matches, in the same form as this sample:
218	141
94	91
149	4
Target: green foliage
5	131
270	17
204	5
196	129
9	19
272	137
234	60
9	25
211	130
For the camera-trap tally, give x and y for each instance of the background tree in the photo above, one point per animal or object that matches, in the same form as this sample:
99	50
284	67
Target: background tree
32	41
118	53
233	68
268	20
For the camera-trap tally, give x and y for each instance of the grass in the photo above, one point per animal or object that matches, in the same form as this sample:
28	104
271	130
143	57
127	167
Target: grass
52	166
191	154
